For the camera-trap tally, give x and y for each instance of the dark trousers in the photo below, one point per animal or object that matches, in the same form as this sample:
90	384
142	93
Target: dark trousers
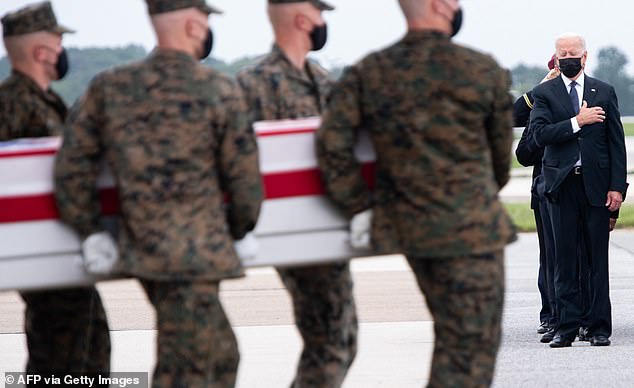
573	218
66	332
545	279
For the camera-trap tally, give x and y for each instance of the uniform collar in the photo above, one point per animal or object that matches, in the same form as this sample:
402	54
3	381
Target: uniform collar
164	54
278	56
417	35
49	96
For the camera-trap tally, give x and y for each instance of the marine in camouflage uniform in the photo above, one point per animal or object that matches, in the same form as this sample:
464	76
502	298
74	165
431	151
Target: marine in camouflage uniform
323	303
175	135
439	117
66	329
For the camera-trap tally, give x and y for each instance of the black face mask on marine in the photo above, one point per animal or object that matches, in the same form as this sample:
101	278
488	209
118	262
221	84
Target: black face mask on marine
318	37
208	44
570	66
62	65
456	23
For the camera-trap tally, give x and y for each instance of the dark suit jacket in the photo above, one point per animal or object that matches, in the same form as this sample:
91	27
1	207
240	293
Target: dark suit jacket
602	145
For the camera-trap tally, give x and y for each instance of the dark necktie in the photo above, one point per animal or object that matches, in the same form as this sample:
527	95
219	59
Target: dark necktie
574	97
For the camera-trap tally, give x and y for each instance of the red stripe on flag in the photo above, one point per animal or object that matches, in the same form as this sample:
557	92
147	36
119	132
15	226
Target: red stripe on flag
42	207
278	185
278	132
13	154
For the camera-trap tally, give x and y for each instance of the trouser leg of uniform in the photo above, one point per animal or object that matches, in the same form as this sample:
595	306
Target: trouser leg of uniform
325	315
66	332
465	296
549	259
546	312
196	346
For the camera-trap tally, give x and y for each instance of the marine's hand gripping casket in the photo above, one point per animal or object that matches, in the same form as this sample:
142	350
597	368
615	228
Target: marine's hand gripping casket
297	225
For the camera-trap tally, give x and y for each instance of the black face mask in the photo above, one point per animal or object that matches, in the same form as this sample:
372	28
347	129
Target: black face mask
570	66
208	44
62	64
318	37
456	23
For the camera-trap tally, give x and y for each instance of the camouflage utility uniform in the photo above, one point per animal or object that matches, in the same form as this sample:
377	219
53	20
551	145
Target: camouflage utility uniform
323	303
176	138
66	330
439	117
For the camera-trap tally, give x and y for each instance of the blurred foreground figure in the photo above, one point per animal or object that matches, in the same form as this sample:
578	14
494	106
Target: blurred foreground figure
439	117
174	133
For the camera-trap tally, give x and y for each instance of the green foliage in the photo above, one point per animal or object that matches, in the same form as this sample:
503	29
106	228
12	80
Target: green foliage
526	77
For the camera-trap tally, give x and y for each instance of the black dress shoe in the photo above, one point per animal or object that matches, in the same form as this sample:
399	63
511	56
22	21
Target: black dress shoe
548	336
543	328
560	342
583	334
599	340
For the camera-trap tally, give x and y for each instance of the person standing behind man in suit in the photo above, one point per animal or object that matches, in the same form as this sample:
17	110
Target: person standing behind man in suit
576	118
529	154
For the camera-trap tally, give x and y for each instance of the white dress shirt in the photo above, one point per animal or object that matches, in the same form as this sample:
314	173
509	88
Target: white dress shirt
579	87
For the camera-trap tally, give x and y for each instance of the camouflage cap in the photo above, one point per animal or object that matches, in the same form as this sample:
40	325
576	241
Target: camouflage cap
33	18
322	5
161	6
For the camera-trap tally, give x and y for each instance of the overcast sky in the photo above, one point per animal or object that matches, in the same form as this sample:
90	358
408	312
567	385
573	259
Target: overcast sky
513	31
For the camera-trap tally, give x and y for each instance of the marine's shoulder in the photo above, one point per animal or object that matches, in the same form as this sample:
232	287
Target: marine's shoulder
14	82
267	64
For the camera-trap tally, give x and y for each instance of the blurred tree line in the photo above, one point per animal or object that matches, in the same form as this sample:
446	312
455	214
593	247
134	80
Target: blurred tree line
611	68
87	62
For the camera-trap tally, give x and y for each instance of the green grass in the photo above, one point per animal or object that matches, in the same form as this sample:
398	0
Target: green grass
523	218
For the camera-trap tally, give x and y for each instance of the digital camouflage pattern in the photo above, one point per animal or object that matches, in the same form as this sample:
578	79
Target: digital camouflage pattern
326	318
275	89
322	5
439	117
323	303
66	330
195	338
465	295
175	135
28	111
162	6
33	18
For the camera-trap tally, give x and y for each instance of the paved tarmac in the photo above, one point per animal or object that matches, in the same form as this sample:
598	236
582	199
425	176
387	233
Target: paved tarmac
396	333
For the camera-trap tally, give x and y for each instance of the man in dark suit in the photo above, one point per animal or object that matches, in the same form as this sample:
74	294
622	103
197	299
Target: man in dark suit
576	119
